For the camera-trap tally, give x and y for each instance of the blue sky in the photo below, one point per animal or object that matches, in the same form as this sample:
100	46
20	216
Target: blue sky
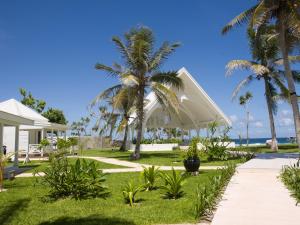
51	47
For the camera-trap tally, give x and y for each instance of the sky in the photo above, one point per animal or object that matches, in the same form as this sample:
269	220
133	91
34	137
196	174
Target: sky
50	48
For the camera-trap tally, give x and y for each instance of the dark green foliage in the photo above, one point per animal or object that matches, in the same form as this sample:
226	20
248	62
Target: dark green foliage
150	176
173	184
79	181
63	144
55	116
290	176
129	192
207	196
30	101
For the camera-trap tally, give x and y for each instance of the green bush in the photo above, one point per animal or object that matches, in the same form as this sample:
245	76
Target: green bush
173	184
80	180
63	144
129	192
193	152
290	176
208	196
150	175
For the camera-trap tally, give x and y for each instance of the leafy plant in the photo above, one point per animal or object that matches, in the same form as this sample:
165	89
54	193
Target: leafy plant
150	175
3	162
73	141
63	144
208	196
44	143
173	184
192	152
129	192
80	180
290	176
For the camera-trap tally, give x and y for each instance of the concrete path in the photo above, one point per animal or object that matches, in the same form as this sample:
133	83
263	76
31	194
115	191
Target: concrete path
256	196
132	166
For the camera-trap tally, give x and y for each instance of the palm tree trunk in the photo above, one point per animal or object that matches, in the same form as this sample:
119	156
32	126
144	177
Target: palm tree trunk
289	77
124	143
140	118
274	145
247	124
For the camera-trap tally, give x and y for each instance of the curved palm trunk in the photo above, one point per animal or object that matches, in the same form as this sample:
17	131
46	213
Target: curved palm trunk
140	118
274	145
124	143
289	77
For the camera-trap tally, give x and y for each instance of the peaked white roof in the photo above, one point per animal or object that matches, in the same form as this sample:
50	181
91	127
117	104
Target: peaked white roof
196	108
16	108
10	119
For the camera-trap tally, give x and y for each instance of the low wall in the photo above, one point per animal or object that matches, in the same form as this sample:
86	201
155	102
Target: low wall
156	147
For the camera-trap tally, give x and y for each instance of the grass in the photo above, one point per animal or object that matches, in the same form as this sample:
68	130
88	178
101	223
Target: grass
163	158
36	165
23	204
282	148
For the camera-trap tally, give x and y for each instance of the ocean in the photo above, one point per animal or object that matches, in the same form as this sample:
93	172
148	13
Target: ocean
254	141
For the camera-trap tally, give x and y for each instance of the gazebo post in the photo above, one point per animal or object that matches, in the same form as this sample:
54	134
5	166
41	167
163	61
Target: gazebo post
16	161
65	135
52	139
190	136
1	136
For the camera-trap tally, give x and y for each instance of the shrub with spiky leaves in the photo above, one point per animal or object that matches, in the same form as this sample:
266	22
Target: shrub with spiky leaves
129	192
290	176
173	184
150	175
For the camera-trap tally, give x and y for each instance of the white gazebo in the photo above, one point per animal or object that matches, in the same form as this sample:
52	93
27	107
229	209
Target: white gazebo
11	120
196	108
30	135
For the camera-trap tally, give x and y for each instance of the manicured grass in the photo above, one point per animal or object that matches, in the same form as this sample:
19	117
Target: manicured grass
282	148
24	204
163	158
41	165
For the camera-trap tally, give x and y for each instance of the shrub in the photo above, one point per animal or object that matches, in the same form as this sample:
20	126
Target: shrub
208	196
63	144
3	162
290	176
173	184
129	192
150	175
192	152
80	180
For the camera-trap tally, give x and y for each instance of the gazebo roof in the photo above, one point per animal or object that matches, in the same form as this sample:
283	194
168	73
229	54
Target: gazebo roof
11	119
196	108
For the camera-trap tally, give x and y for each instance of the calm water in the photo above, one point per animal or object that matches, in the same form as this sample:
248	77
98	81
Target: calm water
261	140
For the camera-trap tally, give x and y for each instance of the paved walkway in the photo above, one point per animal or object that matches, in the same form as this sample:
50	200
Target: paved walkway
256	196
131	166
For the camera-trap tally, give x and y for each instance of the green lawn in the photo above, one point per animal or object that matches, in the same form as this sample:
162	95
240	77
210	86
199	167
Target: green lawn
282	148
24	204
163	158
41	165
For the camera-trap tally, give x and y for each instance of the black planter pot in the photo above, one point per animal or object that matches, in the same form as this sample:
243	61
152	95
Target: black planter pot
191	165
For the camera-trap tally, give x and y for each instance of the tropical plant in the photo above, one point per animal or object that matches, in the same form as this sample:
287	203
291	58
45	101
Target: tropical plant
244	101
150	175
80	127
44	143
141	72
55	116
63	144
290	176
129	192
80	180
285	15
73	141
173	184
193	152
3	162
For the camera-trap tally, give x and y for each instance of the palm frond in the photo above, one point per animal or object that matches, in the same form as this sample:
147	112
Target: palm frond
260	15
109	92
241	85
258	69
239	20
169	78
108	69
124	50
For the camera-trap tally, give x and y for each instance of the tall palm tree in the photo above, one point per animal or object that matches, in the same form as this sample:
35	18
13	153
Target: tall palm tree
244	101
141	72
285	14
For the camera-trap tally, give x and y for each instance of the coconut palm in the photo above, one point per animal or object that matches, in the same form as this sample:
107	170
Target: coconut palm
141	71
244	101
285	14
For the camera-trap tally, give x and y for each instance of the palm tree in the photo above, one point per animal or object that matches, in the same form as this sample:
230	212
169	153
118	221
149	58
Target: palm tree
141	72
286	17
244	101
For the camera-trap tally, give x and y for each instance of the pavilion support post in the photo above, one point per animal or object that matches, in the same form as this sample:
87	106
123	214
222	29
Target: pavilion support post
182	134
65	135
190	135
52	139
16	161
27	160
1	137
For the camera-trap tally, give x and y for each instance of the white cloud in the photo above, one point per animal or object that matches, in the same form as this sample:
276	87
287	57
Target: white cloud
251	118
285	112
258	124
233	118
285	122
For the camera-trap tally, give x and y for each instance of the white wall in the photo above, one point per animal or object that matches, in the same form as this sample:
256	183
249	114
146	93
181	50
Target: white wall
9	138
23	140
156	147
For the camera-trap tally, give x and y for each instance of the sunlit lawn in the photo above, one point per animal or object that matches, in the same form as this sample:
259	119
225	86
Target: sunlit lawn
163	158
282	148
24	204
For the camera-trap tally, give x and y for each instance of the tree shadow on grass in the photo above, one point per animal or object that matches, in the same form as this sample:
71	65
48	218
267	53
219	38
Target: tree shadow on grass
11	210
90	220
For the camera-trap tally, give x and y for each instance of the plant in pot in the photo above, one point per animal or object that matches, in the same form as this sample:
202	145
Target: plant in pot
192	159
